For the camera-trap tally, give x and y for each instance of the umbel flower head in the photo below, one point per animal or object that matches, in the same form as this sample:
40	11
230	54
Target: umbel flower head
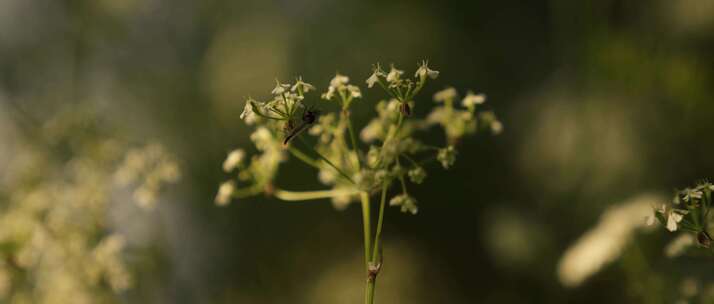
390	157
390	152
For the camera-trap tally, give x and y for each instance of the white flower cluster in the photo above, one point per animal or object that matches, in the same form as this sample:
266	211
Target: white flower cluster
340	87
405	202
402	89
285	103
272	118
688	211
393	153
458	122
56	244
332	133
149	168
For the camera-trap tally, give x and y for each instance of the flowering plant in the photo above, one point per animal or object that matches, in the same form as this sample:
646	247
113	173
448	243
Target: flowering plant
389	152
688	211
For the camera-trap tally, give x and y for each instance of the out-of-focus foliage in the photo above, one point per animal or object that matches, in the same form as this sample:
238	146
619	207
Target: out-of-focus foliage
57	243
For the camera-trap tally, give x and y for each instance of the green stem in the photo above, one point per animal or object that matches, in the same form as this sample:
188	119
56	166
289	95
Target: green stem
364	196
393	130
353	138
380	220
366	223
326	160
369	292
303	157
346	115
311	195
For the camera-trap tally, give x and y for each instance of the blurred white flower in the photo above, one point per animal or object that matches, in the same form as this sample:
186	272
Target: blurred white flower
417	175
691	194
680	244
354	91
604	243
445	95
280	88
394	75
372	131
471	99
262	138
225	193
337	84
302	86
446	156
424	71
233	160
374	78
339	80
247	115
406	202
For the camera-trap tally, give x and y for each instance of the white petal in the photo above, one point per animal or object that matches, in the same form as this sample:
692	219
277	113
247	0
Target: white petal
671	223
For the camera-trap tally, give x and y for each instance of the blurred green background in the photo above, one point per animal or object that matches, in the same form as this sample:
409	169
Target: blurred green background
601	101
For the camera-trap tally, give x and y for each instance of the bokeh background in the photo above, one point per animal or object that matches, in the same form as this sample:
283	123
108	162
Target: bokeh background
600	100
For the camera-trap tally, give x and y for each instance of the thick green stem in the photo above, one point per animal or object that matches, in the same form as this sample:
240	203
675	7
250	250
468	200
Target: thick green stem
364	196
369	292
366	222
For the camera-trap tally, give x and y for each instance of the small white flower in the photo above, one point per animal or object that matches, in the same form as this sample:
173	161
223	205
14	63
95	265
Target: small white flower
280	88
262	138
691	194
672	221
372	80
445	94
337	83
248	115
406	202
354	91
327	176
424	72
394	75
472	99
329	94
233	160
417	175
225	192
304	86
446	156
339	80
372	131
672	216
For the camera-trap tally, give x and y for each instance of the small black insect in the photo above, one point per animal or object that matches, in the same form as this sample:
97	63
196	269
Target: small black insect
309	116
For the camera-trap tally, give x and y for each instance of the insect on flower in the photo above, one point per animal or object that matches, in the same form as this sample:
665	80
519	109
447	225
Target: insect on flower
309	116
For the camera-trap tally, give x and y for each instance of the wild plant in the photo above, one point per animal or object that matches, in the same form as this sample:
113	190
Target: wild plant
389	157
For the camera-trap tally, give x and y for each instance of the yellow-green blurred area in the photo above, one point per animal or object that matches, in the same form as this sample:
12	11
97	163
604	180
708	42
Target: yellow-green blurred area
601	101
